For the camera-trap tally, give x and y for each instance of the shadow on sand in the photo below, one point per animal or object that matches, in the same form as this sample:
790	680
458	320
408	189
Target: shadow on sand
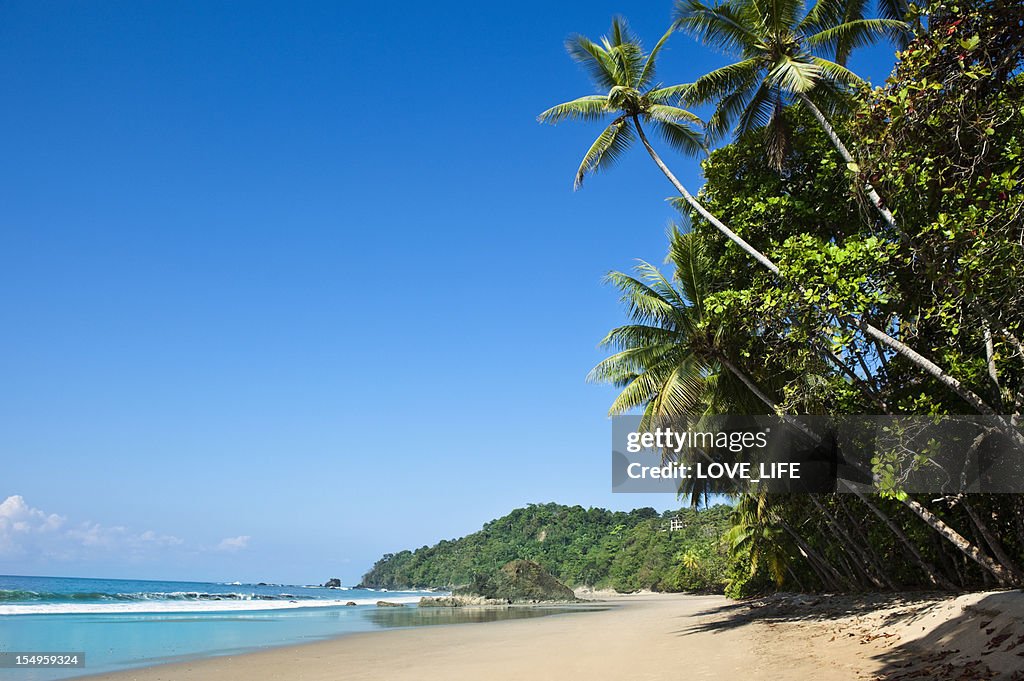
962	641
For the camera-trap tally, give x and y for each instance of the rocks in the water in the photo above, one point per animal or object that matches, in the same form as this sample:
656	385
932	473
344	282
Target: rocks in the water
389	604
333	582
351	603
458	601
519	581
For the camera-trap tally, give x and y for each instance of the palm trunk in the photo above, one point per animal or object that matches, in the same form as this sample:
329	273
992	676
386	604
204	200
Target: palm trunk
870	551
933	521
993	542
847	545
876	200
830	577
899	347
1003	575
933	574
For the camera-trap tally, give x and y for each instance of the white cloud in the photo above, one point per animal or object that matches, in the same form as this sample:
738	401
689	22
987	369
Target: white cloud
29	531
19	522
234	543
18	516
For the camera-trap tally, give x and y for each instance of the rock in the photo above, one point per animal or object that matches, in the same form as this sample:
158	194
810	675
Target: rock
351	603
519	581
458	601
332	582
389	604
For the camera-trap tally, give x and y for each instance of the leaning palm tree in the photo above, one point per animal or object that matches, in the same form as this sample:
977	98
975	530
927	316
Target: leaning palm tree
672	361
779	49
619	65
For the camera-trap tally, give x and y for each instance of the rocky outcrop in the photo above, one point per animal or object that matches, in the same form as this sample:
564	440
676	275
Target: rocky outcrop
333	582
458	601
519	581
389	604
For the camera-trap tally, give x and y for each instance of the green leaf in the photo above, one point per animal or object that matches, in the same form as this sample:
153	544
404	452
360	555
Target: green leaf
853	167
971	43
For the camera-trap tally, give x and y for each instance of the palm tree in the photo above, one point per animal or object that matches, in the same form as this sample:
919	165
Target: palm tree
620	65
779	47
673	361
671	358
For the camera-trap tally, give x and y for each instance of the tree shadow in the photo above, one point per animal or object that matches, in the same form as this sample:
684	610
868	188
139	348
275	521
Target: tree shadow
984	641
794	608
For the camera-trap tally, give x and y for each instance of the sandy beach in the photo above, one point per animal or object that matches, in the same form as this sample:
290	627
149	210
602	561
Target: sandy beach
667	636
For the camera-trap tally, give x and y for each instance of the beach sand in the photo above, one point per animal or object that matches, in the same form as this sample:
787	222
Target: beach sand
661	636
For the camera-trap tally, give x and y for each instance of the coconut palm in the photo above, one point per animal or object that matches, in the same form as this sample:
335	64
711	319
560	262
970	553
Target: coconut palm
619	64
779	49
673	361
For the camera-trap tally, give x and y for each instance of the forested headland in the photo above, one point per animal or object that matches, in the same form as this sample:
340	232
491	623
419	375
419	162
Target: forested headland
580	546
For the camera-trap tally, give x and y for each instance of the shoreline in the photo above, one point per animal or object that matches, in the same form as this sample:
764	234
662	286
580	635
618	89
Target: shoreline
661	636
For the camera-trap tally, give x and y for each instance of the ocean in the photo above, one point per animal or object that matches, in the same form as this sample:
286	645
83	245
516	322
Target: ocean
121	623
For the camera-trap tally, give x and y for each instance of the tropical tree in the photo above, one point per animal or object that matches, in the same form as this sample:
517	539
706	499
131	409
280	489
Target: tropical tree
779	48
619	64
670	360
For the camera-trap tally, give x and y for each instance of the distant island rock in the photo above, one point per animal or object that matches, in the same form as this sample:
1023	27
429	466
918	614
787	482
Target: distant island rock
333	582
518	581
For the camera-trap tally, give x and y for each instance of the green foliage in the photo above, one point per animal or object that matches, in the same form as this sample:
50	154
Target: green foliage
581	547
619	65
941	143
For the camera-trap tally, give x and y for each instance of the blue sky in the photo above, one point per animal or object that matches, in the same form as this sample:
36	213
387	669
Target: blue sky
289	285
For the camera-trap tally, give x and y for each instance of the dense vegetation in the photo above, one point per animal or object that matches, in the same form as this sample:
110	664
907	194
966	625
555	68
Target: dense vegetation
581	547
853	251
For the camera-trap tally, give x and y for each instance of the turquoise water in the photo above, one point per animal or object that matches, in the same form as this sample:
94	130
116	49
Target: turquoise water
129	623
120	624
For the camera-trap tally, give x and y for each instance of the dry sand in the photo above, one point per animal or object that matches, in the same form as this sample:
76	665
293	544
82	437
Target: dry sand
666	636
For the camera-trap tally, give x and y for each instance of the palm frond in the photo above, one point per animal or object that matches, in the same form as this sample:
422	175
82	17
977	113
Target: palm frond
759	109
681	136
688	255
836	73
731	107
672	114
662	287
720	82
643	303
842	39
626	53
793	75
650	65
721	25
593	58
672	94
589	108
605	150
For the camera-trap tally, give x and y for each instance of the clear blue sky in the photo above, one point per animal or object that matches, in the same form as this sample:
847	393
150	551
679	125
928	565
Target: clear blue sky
289	285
